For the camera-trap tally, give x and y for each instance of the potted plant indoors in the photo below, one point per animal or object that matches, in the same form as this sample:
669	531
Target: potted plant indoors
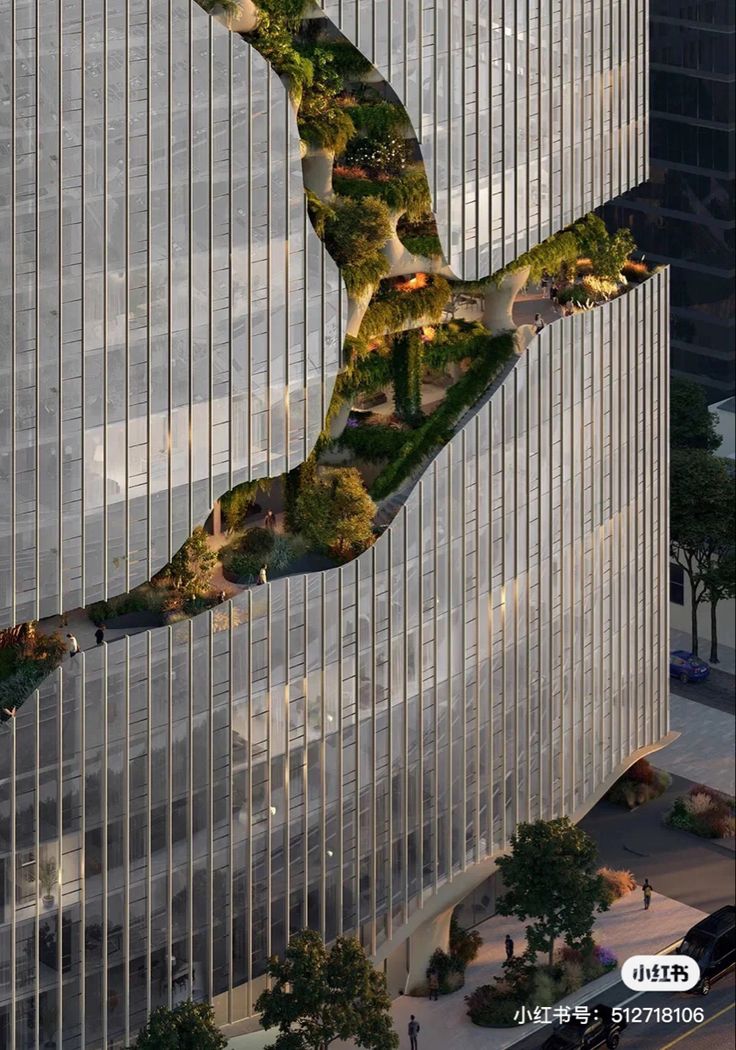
47	878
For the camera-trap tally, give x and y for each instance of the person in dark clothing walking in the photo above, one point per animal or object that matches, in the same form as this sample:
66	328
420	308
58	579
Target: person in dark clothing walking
647	891
100	634
413	1033
509	944
434	986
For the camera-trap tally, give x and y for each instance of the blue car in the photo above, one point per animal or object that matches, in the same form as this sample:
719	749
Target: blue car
687	667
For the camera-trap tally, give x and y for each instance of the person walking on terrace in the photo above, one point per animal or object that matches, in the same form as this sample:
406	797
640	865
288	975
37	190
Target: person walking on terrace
100	634
262	575
72	645
647	891
538	323
509	946
413	1033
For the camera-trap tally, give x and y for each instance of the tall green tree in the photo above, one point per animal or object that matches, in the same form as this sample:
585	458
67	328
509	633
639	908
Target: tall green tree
189	1026
550	877
607	252
335	513
702	491
720	585
319	995
691	424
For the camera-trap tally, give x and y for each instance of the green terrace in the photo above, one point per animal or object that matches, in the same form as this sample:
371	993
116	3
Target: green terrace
422	349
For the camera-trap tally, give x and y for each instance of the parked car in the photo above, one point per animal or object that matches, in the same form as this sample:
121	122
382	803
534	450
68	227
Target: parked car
712	943
687	667
601	1030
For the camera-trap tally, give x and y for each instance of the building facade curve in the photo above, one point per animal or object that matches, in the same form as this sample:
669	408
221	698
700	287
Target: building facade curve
529	114
170	323
336	747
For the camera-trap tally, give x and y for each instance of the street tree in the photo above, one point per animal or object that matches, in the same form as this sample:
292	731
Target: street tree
691	424
319	995
550	877
702	490
189	1026
719	585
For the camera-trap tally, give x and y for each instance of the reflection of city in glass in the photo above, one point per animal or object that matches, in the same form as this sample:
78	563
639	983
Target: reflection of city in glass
685	214
338	748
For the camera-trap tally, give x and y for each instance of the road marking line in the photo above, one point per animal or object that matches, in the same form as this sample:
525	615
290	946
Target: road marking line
697	1026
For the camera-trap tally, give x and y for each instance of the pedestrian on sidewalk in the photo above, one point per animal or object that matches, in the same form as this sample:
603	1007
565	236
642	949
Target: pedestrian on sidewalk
262	575
538	323
509	945
434	986
413	1033
72	645
269	522
100	634
647	891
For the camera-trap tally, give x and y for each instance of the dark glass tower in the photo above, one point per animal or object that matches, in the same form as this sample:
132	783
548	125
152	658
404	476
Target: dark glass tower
684	215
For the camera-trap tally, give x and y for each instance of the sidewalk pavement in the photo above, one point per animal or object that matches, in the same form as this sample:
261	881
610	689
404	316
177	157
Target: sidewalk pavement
626	929
706	746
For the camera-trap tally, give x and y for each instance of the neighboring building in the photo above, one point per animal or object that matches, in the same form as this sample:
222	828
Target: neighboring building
685	214
353	748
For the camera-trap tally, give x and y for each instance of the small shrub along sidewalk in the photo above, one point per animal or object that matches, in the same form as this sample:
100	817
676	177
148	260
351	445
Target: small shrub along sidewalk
449	967
639	785
526	983
704	812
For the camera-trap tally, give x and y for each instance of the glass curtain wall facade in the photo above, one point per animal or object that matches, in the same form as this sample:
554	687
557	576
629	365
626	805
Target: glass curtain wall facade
529	114
336	747
685	215
170	324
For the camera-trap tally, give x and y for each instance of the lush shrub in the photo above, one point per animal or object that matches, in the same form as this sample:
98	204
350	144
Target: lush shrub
426	244
238	503
641	783
243	558
490	1007
19	685
450	971
618	882
258	542
642	772
464	944
357	229
378	120
575	294
146	598
336	513
407	192
705	812
394	308
190	570
373	444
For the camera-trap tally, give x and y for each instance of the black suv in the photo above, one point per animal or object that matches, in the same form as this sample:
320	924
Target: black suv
601	1030
712	943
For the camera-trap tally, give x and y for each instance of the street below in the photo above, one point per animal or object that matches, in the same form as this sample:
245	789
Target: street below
646	1032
